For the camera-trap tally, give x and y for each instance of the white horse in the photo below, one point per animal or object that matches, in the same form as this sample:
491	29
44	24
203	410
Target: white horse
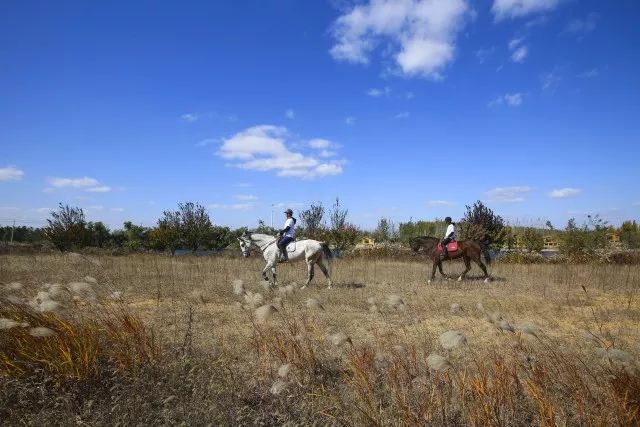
312	251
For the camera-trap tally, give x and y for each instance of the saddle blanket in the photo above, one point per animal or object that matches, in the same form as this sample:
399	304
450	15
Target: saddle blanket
452	247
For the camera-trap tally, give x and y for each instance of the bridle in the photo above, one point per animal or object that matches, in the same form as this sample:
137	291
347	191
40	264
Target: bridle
245	249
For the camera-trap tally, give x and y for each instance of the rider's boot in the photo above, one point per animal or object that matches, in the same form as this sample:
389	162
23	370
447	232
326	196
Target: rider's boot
284	257
444	254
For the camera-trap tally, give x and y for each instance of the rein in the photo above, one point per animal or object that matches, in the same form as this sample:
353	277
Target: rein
262	248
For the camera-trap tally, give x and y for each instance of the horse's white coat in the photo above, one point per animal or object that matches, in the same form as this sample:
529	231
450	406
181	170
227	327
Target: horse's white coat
311	251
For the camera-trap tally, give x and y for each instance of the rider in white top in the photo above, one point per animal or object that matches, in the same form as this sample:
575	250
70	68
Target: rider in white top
287	235
449	236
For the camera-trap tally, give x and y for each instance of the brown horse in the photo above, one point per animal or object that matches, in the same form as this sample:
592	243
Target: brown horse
468	250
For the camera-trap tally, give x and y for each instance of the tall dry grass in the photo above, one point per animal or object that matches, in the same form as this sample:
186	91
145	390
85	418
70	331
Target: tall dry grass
543	344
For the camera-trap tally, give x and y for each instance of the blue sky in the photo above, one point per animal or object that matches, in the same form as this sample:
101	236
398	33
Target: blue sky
405	108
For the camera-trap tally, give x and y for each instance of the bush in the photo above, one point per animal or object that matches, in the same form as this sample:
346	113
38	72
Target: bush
532	239
585	240
67	228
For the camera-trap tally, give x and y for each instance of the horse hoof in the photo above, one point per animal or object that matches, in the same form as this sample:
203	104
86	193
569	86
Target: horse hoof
303	287
486	280
460	279
429	282
266	279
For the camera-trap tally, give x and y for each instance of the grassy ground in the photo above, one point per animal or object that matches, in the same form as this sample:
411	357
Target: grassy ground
541	344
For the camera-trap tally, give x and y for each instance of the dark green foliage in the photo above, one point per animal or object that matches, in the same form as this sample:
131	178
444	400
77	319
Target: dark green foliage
479	221
586	239
67	228
630	234
99	234
195	224
311	220
407	230
532	239
22	234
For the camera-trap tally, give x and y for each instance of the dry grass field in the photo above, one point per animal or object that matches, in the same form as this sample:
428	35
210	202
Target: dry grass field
200	341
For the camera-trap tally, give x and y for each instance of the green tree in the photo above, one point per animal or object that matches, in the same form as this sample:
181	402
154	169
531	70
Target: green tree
342	234
532	239
135	236
195	224
99	234
311	220
585	239
67	228
630	234
410	229
219	238
479	221
166	236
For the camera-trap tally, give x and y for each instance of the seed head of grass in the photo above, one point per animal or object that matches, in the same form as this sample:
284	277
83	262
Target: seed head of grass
238	287
264	313
278	387
339	339
314	304
396	302
452	339
438	363
283	370
41	332
455	308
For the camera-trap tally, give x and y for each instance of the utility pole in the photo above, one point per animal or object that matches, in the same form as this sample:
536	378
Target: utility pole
271	215
12	227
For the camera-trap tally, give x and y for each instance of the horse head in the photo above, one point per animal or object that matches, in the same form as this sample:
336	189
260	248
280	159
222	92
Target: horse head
245	244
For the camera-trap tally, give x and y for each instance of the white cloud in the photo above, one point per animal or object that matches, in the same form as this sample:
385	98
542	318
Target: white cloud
11	173
550	81
319	143
265	148
563	193
403	115
190	117
73	182
582	27
96	208
99	189
508	194
440	203
350	120
517	8
519	54
246	197
589	74
483	54
379	92
327	153
207	141
511	99
117	209
420	34
234	206
409	95
290	114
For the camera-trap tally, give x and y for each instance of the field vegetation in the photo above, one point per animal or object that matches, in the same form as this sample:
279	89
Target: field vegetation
149	339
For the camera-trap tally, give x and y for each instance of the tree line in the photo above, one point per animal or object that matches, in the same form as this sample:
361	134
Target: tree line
190	227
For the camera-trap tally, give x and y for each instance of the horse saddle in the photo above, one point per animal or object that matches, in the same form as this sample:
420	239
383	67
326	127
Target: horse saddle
451	247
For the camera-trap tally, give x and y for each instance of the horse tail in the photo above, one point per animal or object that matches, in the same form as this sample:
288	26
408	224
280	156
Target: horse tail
327	251
484	247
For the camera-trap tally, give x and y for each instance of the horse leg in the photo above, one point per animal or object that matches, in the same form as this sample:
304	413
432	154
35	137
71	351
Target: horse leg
433	270
264	271
467	267
324	270
442	273
484	269
310	264
273	272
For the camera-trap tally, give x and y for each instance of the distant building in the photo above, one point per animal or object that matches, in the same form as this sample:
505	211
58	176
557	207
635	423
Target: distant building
551	243
366	242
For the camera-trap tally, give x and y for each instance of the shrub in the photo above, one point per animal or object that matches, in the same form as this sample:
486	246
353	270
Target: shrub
532	239
67	228
586	239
